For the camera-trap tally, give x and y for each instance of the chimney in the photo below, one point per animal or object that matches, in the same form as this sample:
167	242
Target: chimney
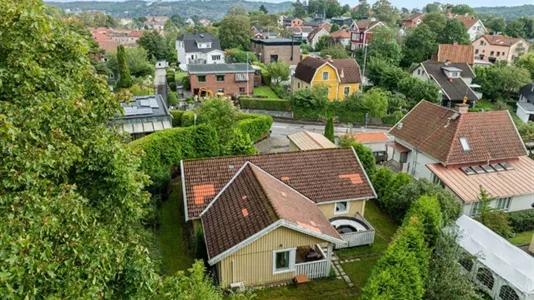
328	58
462	108
342	73
450	79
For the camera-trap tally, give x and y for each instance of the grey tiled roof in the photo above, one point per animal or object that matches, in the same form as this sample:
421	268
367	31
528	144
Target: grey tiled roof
219	68
191	42
144	114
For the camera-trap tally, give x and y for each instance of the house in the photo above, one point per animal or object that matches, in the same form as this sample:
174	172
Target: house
204	22
454	80
278	49
455	54
104	40
378	142
198	48
362	33
301	31
474	26
265	35
412	20
265	216
155	22
463	151
494	48
290	21
144	115
341	36
125	21
126	38
342	21
229	79
499	268
341	75
317	33
525	105
306	140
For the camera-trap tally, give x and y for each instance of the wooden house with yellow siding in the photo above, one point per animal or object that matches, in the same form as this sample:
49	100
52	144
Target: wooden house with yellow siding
341	76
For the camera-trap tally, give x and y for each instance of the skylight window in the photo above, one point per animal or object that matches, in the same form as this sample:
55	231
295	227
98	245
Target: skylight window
488	168
465	144
468	171
478	169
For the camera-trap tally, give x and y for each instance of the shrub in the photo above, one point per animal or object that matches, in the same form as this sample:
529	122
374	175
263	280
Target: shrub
256	126
329	129
280	91
172	98
240	144
200	246
494	219
427	209
188	119
176	117
393	118
265	104
186	83
365	154
522	221
171	79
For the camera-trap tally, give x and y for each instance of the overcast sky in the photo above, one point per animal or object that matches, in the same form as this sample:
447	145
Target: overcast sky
404	3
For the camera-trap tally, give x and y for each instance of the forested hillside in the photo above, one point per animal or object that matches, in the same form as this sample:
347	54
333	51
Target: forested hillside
206	9
508	13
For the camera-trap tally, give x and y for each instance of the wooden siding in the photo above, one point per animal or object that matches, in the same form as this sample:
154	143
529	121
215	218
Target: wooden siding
332	81
353	89
253	264
355	206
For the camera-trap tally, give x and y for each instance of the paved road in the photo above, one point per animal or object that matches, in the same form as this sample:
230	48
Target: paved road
282	129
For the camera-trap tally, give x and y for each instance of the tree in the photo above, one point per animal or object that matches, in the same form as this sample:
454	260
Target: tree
362	11
125	79
509	79
496	24
375	102
416	90
221	114
432	8
234	32
333	9
178	20
336	51
240	56
436	22
299	9
365	154
384	46
419	45
454	32
278	71
385	12
155	45
334	28
241	144
515	29
494	219
72	191
314	98
137	59
263	9
526	130
329	129
236	11
462	9
323	43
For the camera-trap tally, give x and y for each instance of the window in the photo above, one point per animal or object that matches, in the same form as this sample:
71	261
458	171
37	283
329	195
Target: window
475	208
465	144
341	207
325	75
346	90
492	52
220	78
485	277
283	260
298	85
215	57
476	51
220	91
274	58
202	78
503	203
481	43
241	90
418	71
498	53
508	293
467	263
435	179
504	53
403	157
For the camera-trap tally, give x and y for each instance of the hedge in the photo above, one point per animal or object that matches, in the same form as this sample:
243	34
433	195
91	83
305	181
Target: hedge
165	148
265	104
257	126
188	119
333	108
176	117
522	221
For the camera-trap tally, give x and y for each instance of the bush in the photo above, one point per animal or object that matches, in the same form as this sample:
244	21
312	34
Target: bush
386	184
186	83
188	119
176	117
165	148
427	209
522	221
280	91
240	144
171	79
365	154
172	98
265	104
393	118
256	126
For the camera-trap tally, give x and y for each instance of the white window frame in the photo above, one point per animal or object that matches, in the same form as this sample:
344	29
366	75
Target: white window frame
346	90
292	256
347	208
325	72
505	201
475	208
465	144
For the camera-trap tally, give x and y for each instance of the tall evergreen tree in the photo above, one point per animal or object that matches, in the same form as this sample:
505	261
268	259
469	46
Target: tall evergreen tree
263	9
125	78
329	129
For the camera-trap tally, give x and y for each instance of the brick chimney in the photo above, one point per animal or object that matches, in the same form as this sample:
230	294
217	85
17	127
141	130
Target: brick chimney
462	108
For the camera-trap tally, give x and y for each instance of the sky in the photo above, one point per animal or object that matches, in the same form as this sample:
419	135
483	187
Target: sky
401	3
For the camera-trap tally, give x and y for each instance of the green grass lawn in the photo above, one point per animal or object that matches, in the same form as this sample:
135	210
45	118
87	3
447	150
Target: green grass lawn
265	91
179	75
359	271
174	251
318	289
521	238
484	104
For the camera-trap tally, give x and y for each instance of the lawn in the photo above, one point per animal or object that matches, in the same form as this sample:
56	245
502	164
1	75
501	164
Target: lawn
484	104
174	250
522	238
359	271
265	91
179	75
318	289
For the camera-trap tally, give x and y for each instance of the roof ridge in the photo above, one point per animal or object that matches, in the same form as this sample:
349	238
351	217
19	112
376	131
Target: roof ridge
308	134
276	212
454	136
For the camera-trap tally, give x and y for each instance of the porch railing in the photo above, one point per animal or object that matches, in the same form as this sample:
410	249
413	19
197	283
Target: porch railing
314	269
359	238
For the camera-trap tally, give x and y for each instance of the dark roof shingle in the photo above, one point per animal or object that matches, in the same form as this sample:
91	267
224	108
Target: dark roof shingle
456	88
348	69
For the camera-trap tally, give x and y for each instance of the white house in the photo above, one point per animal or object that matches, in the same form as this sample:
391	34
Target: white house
525	105
198	48
316	34
463	151
474	26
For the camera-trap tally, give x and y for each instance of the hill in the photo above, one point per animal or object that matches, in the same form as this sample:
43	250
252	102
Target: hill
507	12
215	9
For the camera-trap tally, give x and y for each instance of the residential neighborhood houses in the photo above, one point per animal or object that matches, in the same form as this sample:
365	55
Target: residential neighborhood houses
301	150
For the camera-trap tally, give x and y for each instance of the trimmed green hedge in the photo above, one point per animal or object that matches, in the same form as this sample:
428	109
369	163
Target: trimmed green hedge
257	126
333	108
522	221
165	148
265	104
176	117
188	119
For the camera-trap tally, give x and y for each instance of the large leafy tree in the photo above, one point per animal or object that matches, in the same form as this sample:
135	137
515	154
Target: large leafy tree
72	200
496	24
515	29
336	51
454	32
234	32
419	45
362	11
432	8
137	59
278	71
462	9
156	45
385	12
526	62
299	9
384	46
436	22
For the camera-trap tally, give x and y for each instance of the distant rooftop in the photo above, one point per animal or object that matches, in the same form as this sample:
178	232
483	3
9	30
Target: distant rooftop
276	41
145	114
219	68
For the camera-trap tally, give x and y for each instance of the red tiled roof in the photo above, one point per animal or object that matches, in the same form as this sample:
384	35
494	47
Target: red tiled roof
365	25
518	181
413	17
456	53
501	40
436	131
313	173
253	201
468	21
340	34
370	137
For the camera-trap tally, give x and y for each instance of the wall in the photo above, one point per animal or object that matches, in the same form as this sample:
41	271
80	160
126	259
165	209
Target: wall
296	86
264	53
332	80
209	60
522	202
341	91
180	50
317	36
229	84
486	49
253	264
515	52
476	31
419	160
420	73
355	206
522	114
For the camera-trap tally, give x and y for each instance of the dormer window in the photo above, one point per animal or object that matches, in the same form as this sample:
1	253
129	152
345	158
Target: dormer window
465	144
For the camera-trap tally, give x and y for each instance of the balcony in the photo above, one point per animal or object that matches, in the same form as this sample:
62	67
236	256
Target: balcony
198	61
312	261
356	231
